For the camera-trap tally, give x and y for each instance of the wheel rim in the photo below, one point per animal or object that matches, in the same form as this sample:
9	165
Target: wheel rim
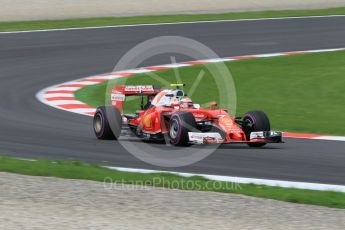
174	129
97	124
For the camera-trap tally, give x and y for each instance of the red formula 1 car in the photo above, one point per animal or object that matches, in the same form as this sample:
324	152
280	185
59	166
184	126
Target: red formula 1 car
169	115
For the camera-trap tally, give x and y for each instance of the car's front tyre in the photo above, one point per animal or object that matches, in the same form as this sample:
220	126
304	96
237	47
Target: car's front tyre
180	124
255	121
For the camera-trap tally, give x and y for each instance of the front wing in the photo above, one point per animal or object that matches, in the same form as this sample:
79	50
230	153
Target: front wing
216	138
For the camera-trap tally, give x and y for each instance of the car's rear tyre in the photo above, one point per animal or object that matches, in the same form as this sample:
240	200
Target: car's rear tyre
107	123
180	124
255	121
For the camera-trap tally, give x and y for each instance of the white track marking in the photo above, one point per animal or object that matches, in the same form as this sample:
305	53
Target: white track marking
82	82
173	23
245	180
135	71
330	138
215	60
270	55
83	111
64	102
229	59
58	95
67	88
105	77
174	65
325	50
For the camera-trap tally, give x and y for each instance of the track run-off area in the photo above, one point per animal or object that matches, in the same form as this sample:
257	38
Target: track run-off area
33	61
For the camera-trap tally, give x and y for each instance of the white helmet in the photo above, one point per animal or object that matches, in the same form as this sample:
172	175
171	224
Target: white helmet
186	102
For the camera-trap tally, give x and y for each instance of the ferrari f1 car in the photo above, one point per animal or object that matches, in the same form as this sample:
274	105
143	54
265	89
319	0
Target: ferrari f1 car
168	115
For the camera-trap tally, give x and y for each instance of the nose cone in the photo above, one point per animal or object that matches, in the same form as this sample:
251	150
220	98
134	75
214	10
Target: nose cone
236	136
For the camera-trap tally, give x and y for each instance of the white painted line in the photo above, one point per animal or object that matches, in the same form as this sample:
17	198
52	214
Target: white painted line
324	50
49	95
269	55
64	102
230	59
244	180
106	77
174	23
67	88
82	82
83	111
177	65
330	138
135	71
24	159
215	60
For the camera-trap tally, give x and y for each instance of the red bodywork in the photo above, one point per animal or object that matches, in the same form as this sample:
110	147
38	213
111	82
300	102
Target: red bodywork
155	120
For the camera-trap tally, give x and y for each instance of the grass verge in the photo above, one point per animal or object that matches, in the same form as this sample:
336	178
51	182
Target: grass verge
300	93
79	170
111	21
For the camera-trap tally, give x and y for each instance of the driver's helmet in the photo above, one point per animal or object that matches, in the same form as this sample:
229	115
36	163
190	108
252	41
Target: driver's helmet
186	102
175	101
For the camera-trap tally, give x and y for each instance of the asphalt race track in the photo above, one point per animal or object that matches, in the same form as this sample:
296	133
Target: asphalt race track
32	61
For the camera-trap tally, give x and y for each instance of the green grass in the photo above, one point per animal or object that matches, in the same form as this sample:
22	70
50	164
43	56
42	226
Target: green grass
109	21
79	170
301	93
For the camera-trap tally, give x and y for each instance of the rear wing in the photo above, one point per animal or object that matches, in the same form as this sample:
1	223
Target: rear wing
119	93
136	89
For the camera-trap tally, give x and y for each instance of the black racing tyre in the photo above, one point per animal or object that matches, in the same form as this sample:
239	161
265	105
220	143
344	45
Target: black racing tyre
107	123
255	121
180	124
